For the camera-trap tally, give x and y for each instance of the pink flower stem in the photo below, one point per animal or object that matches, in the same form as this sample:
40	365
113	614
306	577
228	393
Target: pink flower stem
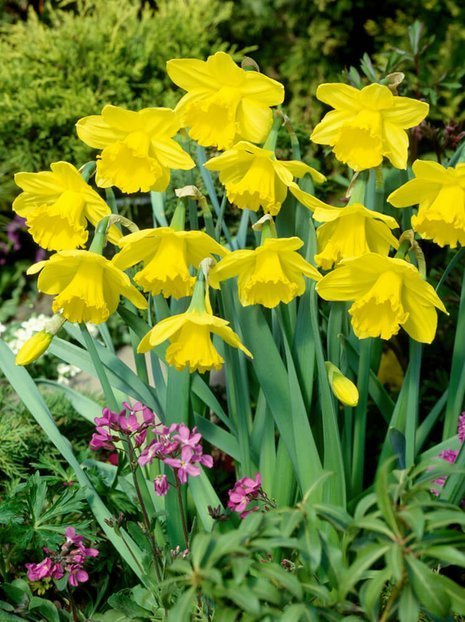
183	516
148	530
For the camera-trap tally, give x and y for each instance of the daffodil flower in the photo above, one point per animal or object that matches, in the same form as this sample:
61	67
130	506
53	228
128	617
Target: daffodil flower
367	124
350	232
57	205
224	103
87	287
254	178
387	293
272	273
440	193
138	150
166	255
190	336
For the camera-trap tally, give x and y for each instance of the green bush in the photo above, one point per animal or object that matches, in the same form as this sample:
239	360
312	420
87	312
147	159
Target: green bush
74	62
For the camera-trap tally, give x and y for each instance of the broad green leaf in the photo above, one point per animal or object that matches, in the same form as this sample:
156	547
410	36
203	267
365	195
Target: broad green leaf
426	587
409	607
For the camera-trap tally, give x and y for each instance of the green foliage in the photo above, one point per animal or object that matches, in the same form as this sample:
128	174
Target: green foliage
400	554
54	72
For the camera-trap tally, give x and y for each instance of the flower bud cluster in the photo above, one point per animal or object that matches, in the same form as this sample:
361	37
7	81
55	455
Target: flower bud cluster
69	560
245	491
179	448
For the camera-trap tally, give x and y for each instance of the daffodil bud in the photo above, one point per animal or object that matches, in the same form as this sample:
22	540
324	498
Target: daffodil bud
343	388
34	348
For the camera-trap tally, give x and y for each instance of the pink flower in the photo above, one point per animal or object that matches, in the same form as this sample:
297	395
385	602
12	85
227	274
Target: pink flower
161	485
77	575
184	466
461	428
244	491
186	437
45	569
72	537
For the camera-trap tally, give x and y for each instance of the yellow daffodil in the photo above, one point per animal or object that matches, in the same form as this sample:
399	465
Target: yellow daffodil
387	294
190	336
224	103
268	275
350	232
57	205
367	124
254	178
87	287
138	148
343	388
440	193
166	255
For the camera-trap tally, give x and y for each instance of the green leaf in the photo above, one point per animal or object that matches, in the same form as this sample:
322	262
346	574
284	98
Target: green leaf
85	406
445	554
371	592
46	608
426	587
364	561
217	437
123	601
409	607
283	578
181	612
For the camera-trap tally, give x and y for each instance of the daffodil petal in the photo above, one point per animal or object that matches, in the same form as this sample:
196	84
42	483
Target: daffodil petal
339	96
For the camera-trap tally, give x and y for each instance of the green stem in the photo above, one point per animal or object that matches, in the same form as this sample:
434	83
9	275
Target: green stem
413	398
100	236
110	398
360	422
183	514
457	372
178	220
270	142
220	221
146	520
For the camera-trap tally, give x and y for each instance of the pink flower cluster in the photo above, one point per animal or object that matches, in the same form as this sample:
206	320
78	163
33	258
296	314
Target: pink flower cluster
131	421
179	448
450	455
245	491
69	560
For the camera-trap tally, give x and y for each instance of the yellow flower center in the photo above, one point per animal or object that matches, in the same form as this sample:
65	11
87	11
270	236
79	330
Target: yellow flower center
212	119
167	272
266	284
191	347
62	225
379	313
257	188
444	220
83	299
128	166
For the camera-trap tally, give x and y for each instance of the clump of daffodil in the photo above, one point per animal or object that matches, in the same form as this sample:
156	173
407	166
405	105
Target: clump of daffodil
387	293
138	150
440	193
272	273
254	178
190	335
57	205
367	124
38	344
350	231
224	103
343	388
87	286
166	254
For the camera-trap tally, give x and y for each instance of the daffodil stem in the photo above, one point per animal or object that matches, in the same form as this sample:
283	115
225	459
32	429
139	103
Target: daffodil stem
413	398
457	372
219	222
110	398
357	190
360	419
100	236
272	139
87	170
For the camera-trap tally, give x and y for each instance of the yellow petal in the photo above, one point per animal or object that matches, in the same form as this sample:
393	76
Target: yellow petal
265	90
413	192
161	332
254	120
422	320
230	266
376	97
339	96
406	112
190	73
395	145
125	121
44	184
95	132
225	71
299	169
352	278
172	155
328	130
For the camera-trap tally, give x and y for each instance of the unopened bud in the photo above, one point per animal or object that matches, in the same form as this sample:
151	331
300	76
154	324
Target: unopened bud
34	348
343	388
